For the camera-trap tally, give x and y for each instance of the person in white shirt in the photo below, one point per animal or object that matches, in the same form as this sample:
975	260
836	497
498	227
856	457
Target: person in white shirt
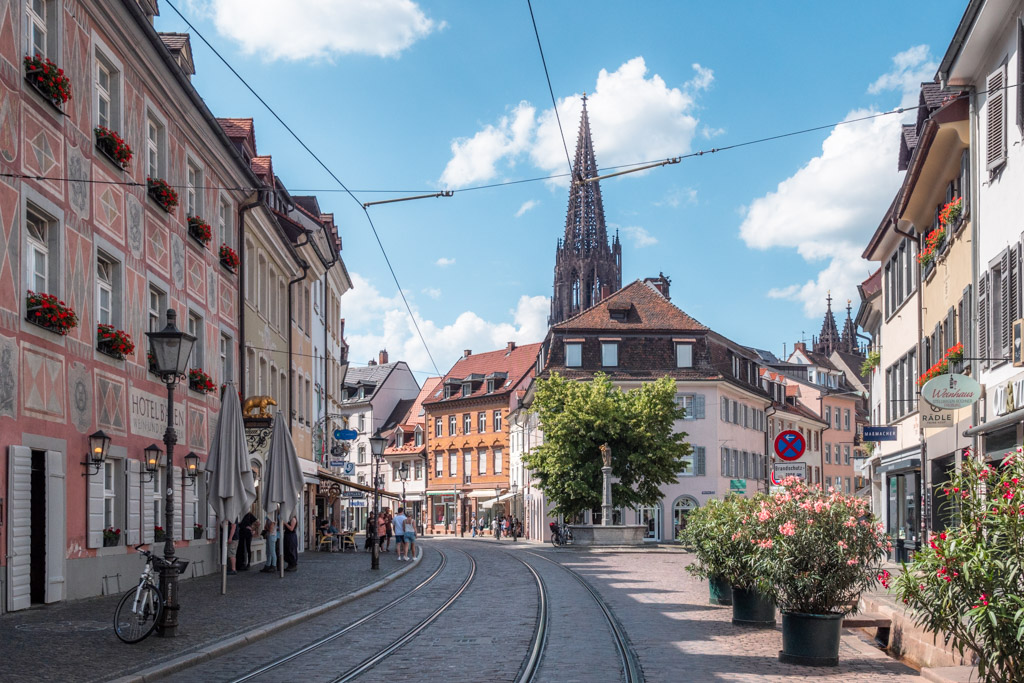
399	522
410	537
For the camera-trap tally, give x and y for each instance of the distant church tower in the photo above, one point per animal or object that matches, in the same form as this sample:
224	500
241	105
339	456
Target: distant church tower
829	340
586	268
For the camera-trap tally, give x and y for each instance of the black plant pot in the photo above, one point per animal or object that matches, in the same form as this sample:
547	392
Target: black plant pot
720	592
810	639
751	608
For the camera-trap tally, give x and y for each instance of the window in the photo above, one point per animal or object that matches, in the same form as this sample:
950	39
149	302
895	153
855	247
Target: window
41	28
684	355
195	328
846	454
453	425
156	145
846	419
104	290
262	286
158	499
837	419
225	358
995	120
481	422
109	494
828	415
467	423
610	354
42	251
453	463
497	420
467	467
224	234
157	308
725	462
828	453
104	79
193	190
900	276
693	404
438	427
481	461
573	355
497	461
362	423
438	465
418	470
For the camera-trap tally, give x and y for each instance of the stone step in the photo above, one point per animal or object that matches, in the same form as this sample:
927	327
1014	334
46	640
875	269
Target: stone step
867	620
950	674
908	641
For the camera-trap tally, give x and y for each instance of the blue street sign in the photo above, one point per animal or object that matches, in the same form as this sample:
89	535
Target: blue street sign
337	463
879	433
350	468
346	434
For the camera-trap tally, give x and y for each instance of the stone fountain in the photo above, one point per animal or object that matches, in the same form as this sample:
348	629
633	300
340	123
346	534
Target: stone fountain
607	534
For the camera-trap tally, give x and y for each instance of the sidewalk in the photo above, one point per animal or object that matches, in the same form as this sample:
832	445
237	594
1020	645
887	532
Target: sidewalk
75	640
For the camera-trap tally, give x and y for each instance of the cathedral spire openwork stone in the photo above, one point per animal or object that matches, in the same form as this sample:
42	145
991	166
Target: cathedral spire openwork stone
587	269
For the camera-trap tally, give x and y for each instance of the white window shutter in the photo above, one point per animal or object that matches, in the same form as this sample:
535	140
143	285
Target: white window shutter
995	120
190	519
701	464
95	510
983	320
1005	322
134	517
19	527
56	515
178	500
698	406
147	510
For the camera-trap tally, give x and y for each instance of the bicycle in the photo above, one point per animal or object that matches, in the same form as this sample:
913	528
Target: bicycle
139	611
561	534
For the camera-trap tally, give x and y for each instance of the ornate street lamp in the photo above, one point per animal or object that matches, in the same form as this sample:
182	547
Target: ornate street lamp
192	467
152	461
403	474
98	445
170	349
377	443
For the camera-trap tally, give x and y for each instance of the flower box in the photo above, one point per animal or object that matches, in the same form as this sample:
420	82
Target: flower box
111	537
50	313
113	146
229	258
197	531
200	381
158	534
114	342
200	230
48	80
162	193
951	212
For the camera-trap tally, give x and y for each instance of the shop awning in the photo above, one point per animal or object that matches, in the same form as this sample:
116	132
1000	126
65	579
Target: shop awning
359	487
996	424
492	501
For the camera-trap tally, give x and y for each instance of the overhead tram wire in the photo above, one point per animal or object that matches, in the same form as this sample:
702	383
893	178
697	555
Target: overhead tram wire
554	103
324	166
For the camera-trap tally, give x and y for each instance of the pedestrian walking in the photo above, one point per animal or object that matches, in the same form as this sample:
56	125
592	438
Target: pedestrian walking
388	528
504	526
472	525
371	524
382	530
245	542
399	524
291	544
233	548
271	528
515	529
496	529
410	538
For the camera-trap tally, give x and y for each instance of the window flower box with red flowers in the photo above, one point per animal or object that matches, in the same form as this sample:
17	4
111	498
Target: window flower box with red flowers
111	537
158	533
228	257
954	354
951	212
48	80
200	230
50	313
114	342
200	381
113	146
162	193
151	362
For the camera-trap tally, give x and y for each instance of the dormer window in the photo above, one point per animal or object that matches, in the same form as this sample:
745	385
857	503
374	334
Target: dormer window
618	310
490	386
573	354
399	438
418	437
684	355
467	389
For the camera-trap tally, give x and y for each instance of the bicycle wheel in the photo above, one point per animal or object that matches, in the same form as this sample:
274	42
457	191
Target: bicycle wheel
132	625
568	535
554	539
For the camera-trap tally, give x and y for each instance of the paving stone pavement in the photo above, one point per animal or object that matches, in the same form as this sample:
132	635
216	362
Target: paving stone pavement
75	641
678	636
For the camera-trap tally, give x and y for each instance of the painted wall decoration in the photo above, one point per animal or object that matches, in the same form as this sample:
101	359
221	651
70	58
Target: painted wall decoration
10	247
178	261
43	386
78	192
8	377
110	403
134	217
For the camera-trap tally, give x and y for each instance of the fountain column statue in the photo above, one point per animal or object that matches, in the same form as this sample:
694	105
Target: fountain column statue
606	474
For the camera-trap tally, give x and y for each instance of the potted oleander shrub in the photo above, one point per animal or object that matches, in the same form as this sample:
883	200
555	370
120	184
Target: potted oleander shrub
199	381
708	532
968	584
822	550
750	605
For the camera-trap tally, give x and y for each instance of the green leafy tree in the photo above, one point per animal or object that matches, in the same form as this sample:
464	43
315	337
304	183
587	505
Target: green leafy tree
578	417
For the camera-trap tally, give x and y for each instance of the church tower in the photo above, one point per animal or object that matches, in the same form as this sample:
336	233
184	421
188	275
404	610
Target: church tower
828	341
586	268
849	341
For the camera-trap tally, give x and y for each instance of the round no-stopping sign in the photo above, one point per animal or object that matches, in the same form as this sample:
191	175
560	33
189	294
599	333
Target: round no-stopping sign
790	445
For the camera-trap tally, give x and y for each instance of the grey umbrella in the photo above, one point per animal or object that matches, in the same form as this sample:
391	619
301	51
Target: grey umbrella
282	484
230	489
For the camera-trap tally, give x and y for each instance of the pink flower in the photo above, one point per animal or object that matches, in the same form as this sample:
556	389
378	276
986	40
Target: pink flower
788	529
842	544
852	561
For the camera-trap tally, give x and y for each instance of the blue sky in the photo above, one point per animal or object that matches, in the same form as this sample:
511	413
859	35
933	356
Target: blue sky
397	95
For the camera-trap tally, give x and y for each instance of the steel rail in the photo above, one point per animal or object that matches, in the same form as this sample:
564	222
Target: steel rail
342	631
371	662
630	665
528	671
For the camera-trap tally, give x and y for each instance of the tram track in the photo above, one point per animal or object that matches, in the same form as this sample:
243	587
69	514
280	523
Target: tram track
340	632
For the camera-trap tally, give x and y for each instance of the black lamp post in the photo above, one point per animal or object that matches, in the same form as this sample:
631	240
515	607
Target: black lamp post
513	488
170	349
403	474
377	443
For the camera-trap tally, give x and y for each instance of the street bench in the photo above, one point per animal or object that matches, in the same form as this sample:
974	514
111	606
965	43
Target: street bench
880	622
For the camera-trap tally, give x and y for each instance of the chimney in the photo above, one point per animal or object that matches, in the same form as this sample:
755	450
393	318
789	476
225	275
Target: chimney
660	283
384	357
467	353
605	292
371	362
800	346
510	347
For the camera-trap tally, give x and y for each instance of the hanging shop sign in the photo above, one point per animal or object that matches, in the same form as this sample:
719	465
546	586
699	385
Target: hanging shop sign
951	392
934	418
880	433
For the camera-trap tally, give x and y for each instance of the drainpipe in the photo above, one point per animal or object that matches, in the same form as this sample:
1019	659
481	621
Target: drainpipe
770	458
240	222
291	372
975	171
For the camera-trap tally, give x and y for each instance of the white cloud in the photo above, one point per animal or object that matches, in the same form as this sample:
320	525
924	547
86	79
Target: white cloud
374	321
444	262
708	132
641	238
320	29
432	292
527	205
702	80
678	195
828	209
634	116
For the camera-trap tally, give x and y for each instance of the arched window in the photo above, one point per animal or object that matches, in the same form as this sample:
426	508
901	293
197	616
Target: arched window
575	292
682	507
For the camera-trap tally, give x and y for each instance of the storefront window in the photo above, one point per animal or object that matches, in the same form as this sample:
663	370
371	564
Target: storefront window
904	513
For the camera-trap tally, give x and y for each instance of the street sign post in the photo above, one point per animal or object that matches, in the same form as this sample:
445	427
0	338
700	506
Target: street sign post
738	485
337	463
790	445
346	434
788	469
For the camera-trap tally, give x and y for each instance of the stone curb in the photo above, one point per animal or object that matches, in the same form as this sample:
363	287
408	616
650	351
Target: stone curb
950	674
608	549
226	645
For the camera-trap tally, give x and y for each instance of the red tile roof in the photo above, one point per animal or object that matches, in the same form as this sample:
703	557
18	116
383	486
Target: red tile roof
873	284
648	310
262	166
517	364
236	128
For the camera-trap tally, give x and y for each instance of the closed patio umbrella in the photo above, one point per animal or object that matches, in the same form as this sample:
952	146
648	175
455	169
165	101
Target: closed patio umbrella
230	490
282	484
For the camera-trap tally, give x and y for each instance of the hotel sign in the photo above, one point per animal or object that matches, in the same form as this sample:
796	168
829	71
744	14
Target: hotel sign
951	392
148	414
